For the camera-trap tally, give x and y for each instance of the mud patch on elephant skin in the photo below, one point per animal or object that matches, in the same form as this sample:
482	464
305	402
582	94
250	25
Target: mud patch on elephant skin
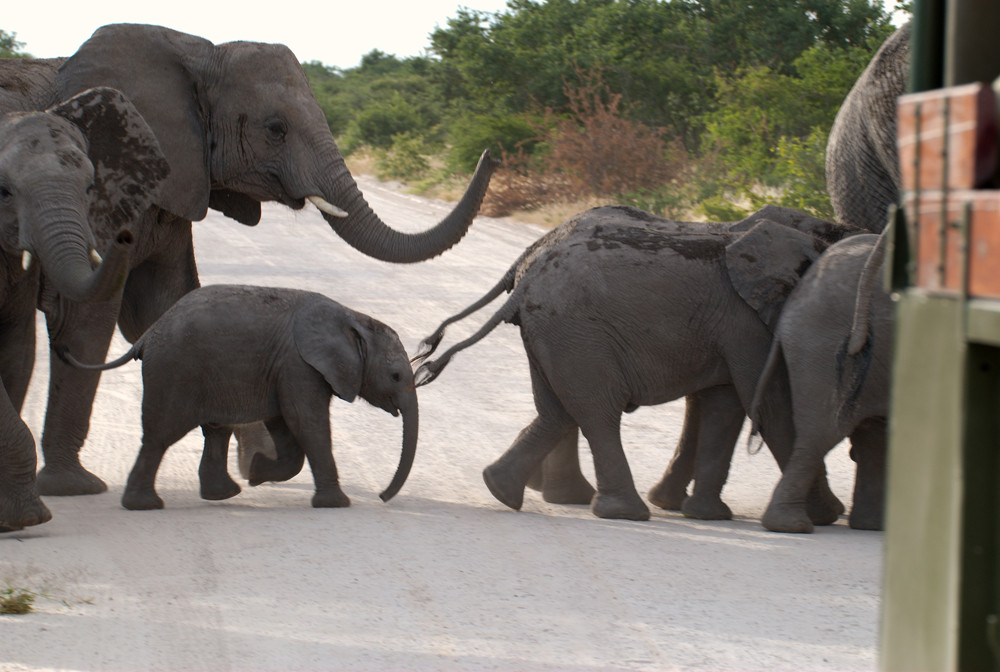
692	247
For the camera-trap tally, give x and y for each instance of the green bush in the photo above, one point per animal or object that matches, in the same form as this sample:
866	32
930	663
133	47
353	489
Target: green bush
471	134
404	161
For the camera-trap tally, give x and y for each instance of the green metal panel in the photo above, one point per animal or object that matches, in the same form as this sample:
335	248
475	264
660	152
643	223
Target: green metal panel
924	508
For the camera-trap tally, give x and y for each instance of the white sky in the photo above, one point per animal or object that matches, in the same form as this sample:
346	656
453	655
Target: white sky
335	32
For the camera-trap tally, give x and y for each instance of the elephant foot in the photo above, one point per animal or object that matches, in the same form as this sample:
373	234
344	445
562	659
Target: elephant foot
786	518
144	499
264	469
866	519
68	482
822	506
668	496
503	487
331	498
220	489
706	508
568	491
627	507
13	518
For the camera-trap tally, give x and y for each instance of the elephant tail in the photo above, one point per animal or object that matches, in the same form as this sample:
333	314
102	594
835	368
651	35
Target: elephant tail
428	371
867	286
755	412
430	344
63	353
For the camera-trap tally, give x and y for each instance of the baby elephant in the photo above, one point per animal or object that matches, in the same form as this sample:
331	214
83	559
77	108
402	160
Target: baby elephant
226	355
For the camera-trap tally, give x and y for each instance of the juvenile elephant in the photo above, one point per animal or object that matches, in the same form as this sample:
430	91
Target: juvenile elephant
90	161
239	126
620	313
834	339
713	416
862	162
226	355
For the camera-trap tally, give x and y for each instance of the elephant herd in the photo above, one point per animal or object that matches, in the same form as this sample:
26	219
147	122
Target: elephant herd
109	155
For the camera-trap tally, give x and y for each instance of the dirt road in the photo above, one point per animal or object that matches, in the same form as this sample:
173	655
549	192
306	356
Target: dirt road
443	577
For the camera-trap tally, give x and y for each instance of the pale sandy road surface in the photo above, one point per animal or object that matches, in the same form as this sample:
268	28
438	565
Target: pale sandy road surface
443	577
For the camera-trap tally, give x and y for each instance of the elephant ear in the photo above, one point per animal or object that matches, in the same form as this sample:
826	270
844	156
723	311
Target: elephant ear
766	263
158	70
129	166
331	341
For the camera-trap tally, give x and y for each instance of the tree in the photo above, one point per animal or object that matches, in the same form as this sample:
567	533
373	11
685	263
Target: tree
10	47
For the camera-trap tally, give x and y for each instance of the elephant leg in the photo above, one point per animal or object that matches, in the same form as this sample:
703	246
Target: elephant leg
788	510
671	490
251	440
507	477
616	494
779	432
213	474
720	420
140	488
310	429
562	480
17	342
288	460
868	450
20	505
86	331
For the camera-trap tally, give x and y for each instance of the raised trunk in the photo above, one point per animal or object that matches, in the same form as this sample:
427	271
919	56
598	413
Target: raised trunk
367	233
411	422
69	267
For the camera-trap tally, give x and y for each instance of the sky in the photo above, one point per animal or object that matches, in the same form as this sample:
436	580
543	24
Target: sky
334	32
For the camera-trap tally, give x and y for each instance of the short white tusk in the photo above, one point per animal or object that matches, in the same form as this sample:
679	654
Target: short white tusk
95	257
327	207
26	259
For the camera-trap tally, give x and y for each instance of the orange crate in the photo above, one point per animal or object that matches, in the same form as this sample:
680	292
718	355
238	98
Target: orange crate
947	138
940	267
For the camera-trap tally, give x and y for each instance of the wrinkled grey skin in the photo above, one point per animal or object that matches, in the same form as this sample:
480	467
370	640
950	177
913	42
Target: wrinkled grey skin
598	349
834	344
239	125
713	417
57	179
862	165
226	355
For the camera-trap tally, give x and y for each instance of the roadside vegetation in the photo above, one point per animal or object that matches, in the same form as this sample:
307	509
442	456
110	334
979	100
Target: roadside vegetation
701	109
689	108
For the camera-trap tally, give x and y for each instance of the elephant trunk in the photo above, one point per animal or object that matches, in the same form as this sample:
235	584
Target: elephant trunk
354	220
69	266
411	422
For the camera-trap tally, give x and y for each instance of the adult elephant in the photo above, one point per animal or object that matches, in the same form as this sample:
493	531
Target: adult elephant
611	307
239	125
90	160
862	164
833	341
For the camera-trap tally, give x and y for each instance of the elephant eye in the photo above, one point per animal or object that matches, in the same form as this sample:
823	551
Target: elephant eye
5	194
276	128
395	377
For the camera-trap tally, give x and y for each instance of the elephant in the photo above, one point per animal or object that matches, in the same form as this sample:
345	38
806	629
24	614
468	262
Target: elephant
834	340
226	355
862	163
621	312
239	125
713	416
89	161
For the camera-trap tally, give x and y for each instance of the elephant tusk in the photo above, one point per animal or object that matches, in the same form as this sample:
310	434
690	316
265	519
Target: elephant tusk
96	258
327	207
26	259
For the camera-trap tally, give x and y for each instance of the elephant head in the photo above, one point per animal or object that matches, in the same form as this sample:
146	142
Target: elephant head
89	161
360	356
239	125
